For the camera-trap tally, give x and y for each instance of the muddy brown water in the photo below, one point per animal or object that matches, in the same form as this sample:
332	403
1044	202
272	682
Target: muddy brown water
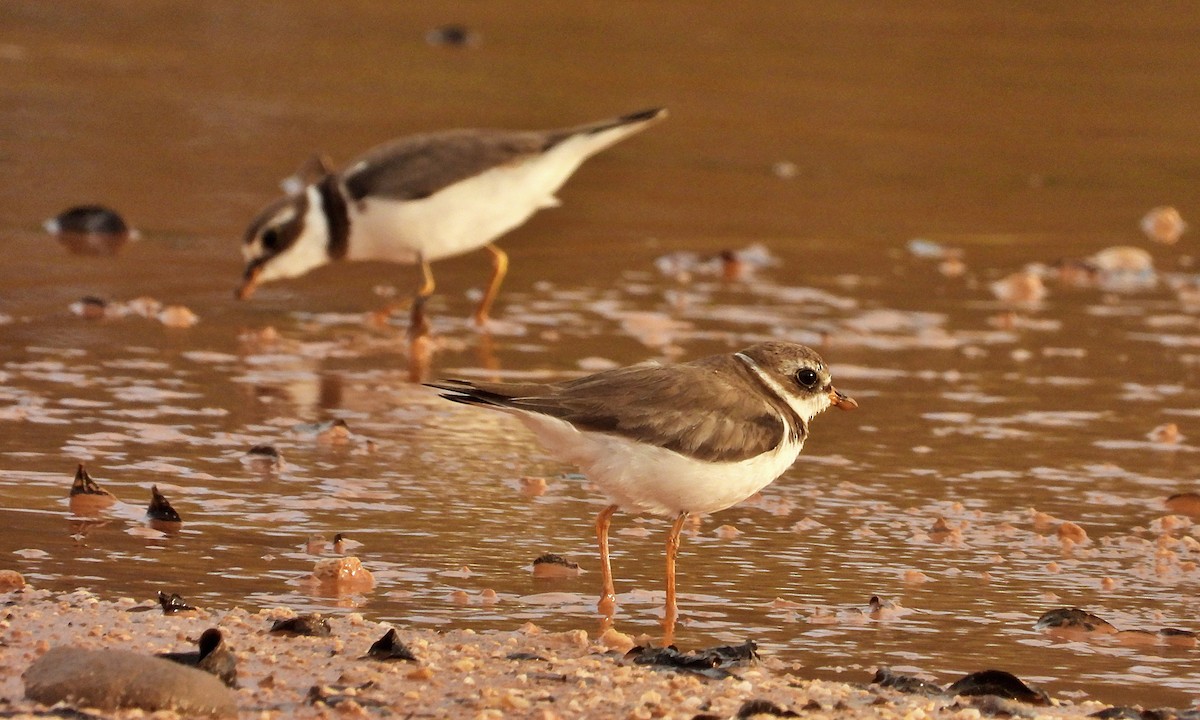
832	135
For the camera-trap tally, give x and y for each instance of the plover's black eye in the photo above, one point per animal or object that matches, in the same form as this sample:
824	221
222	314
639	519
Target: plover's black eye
270	238
808	378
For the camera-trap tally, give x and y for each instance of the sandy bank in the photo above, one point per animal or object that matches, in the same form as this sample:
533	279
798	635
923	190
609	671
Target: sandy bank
523	673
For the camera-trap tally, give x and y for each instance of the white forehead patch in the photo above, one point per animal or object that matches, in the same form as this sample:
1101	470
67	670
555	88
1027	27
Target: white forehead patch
285	215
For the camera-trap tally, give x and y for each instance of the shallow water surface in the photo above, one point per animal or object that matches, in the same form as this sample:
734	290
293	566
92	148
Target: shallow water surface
987	431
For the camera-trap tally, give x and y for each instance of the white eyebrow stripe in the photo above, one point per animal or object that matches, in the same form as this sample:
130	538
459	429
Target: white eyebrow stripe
806	410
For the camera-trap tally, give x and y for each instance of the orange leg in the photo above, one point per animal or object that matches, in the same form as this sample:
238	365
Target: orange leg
608	593
671	612
427	283
418	324
499	270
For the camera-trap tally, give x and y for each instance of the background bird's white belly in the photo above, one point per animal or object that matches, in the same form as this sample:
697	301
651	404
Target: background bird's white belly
645	478
462	217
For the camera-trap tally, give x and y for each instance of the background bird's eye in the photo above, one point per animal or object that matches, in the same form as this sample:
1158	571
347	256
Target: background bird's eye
808	378
270	239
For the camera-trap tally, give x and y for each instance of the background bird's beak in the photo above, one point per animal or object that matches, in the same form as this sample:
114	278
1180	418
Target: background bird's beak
249	283
842	402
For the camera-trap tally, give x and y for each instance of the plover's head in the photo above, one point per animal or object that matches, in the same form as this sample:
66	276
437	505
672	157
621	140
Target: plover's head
288	238
798	375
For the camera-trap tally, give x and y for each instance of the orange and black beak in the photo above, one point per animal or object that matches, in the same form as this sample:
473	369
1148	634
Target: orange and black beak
249	281
840	401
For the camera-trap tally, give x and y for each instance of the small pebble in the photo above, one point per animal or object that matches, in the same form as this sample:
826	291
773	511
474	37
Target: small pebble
1163	224
1020	288
87	497
343	574
1069	531
1166	434
388	648
550	565
11	580
90	307
178	316
452	35
90	230
160	508
727	532
313	625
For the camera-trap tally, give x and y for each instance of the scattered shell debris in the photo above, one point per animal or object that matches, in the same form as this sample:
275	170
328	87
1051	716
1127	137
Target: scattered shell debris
526	671
729	265
91	307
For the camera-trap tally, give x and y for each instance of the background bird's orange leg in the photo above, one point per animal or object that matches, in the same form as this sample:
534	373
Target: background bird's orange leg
671	613
608	593
418	324
420	345
499	270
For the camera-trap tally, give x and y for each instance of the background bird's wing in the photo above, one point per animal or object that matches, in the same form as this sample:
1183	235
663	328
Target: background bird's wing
416	167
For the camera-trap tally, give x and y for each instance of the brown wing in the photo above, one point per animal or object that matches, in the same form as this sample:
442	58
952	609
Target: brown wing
416	167
686	408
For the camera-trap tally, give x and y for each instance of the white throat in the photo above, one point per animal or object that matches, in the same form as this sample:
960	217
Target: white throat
311	249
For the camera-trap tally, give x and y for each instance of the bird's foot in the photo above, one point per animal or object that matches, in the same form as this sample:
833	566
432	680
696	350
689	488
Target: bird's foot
607	605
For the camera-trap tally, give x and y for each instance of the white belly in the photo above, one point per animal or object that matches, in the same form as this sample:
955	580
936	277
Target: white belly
642	478
462	217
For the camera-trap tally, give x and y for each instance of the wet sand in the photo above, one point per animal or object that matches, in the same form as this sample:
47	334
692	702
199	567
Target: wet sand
525	672
833	137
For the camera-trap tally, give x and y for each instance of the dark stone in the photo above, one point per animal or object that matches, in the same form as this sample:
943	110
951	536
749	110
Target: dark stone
552	559
90	219
707	662
750	708
1125	712
160	509
884	677
522	655
89	230
85	485
999	683
389	647
334	695
213	657
451	35
173	603
1072	618
313	625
